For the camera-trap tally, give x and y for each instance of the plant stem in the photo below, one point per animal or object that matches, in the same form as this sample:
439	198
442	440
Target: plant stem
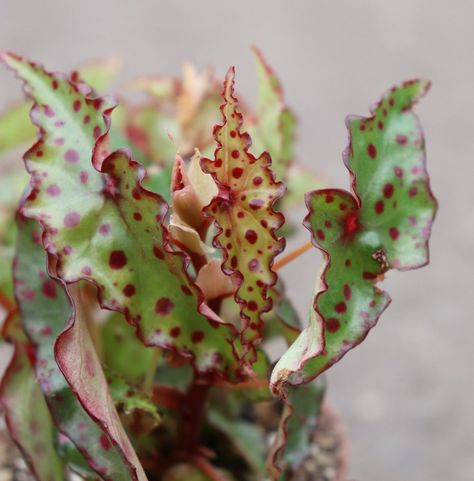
208	469
6	304
292	256
192	416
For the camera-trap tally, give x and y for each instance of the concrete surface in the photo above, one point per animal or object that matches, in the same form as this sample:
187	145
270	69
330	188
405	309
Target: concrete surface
407	393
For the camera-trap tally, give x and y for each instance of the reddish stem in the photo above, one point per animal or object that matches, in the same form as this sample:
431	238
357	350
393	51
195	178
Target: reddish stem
7	304
192	416
208	469
292	256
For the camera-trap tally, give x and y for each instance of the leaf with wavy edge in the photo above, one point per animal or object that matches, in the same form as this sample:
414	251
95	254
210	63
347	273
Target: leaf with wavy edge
384	224
275	123
243	212
45	310
101	225
292	443
26	413
15	126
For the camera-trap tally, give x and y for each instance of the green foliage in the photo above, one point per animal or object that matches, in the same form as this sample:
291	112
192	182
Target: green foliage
139	277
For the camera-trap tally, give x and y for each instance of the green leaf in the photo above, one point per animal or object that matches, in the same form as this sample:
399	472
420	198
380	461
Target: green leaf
15	127
26	412
299	419
274	130
45	310
247	438
119	345
130	401
101	225
385	224
243	212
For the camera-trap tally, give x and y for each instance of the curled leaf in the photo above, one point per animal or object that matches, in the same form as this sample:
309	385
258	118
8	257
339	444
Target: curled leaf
243	212
45	310
385	223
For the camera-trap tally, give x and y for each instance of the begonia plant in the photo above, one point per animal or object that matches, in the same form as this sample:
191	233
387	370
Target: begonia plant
140	270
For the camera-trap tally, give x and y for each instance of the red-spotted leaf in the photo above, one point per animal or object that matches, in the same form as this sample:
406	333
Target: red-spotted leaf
292	443
385	223
45	310
101	225
243	212
26	412
275	123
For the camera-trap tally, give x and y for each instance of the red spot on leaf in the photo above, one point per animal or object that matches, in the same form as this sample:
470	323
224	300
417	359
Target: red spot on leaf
237	172
49	289
251	236
252	306
117	259
76	106
137	216
164	306
402	139
255	204
413	191
197	336
351	224
388	190
53	190
71	156
320	234
371	151
104	229
72	219
83	176
254	265
235	154
394	233
347	292
332	324
97	131
379	206
105	443
257	181
175	331
129	290
340	307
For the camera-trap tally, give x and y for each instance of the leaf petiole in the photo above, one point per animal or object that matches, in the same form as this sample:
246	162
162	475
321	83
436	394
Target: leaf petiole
290	257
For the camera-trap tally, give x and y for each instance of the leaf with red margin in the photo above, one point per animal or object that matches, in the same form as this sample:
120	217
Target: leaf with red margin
15	126
292	443
274	130
243	212
26	413
384	224
45	310
101	225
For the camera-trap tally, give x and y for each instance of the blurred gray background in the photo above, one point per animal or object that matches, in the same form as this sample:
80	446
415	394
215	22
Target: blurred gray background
407	394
